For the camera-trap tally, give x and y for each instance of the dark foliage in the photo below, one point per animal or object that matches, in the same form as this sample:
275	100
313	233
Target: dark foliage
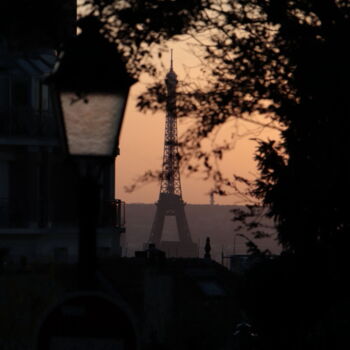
293	306
36	23
137	26
253	221
286	60
304	185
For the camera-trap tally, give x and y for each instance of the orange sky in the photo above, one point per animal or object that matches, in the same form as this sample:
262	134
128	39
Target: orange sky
142	137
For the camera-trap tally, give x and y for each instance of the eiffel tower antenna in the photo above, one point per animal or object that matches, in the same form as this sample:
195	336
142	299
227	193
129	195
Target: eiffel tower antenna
171	60
170	201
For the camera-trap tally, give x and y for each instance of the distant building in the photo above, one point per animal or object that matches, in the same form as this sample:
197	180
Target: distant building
38	196
184	303
241	263
204	220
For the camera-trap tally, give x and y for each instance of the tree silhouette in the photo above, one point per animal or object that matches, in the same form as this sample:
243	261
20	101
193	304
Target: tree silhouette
280	64
286	60
137	26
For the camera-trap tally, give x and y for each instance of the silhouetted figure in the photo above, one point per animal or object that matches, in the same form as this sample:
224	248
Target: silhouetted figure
212	201
207	249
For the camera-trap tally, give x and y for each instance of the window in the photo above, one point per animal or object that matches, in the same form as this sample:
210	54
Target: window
39	96
44	97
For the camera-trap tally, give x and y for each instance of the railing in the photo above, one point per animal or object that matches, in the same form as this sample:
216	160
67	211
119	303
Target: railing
113	214
25	122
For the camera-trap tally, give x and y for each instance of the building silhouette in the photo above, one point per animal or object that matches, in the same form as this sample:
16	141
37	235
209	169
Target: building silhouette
170	201
38	183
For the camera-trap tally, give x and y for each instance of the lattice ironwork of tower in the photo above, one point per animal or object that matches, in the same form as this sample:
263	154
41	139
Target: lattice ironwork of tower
170	201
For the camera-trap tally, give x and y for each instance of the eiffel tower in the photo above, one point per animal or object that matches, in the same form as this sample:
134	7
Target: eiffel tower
170	201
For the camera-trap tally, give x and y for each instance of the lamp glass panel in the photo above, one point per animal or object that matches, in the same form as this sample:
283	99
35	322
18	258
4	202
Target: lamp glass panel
92	123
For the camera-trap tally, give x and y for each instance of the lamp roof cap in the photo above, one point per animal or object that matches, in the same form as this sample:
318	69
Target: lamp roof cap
91	63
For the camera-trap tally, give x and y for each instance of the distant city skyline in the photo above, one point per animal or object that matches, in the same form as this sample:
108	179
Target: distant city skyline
142	137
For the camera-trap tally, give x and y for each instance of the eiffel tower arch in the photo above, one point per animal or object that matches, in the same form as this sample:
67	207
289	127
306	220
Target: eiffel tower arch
170	201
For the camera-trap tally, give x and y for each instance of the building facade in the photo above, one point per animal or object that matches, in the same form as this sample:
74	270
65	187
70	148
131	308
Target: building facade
39	201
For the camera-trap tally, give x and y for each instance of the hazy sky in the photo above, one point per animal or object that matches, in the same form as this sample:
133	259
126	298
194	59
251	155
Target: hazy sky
142	137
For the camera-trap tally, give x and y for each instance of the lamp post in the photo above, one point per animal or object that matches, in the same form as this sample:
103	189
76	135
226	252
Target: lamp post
91	87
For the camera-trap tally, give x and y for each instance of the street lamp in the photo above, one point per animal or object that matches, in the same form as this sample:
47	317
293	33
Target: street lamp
91	87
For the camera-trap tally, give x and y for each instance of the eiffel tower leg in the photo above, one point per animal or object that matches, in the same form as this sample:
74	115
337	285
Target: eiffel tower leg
157	226
187	247
182	225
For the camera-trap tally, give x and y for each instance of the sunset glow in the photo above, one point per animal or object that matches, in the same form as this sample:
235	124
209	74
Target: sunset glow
142	137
